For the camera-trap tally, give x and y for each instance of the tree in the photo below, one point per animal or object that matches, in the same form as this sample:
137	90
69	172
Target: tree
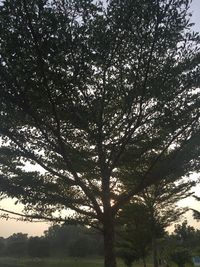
134	233
184	232
160	201
128	255
187	236
74	240
85	86
61	236
184	240
181	256
16	245
2	245
38	247
151	212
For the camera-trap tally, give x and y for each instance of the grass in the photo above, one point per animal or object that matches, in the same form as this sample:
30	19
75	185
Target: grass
65	262
53	262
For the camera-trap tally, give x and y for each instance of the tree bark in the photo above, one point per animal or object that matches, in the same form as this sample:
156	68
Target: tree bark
144	262
155	252
109	239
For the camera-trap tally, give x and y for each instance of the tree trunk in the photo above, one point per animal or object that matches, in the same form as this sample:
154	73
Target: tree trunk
109	236
155	253
144	262
108	220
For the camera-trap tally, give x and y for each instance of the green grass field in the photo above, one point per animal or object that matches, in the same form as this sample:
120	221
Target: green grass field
67	262
51	262
56	262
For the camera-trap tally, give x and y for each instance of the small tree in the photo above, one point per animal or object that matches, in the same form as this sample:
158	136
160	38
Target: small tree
181	256
74	240
134	233
38	247
127	253
187	235
61	237
181	242
2	246
160	200
16	245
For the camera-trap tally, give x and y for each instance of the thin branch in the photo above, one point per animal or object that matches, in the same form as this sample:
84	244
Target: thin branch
124	197
32	156
36	217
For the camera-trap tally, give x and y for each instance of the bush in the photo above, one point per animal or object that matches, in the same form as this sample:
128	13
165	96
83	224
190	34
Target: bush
38	247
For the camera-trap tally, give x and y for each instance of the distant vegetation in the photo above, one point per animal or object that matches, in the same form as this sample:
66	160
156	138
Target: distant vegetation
66	240
74	245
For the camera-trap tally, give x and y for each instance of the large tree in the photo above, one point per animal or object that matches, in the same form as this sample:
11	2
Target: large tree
82	86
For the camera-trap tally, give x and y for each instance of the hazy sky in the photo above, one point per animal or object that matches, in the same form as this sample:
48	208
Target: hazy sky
8	227
195	7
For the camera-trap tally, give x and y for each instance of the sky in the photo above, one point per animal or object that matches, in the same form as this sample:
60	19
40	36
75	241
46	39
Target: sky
8	227
195	8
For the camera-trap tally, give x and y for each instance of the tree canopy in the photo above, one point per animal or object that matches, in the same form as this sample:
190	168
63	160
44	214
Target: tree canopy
134	233
147	216
87	87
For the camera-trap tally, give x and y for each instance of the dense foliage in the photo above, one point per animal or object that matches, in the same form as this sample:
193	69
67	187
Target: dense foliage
94	93
134	233
58	241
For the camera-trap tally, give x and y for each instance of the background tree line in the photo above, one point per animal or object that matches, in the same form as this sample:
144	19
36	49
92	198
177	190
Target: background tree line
78	241
65	240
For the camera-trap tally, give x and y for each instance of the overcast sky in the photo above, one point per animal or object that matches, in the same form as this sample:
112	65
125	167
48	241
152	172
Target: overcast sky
195	7
8	227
